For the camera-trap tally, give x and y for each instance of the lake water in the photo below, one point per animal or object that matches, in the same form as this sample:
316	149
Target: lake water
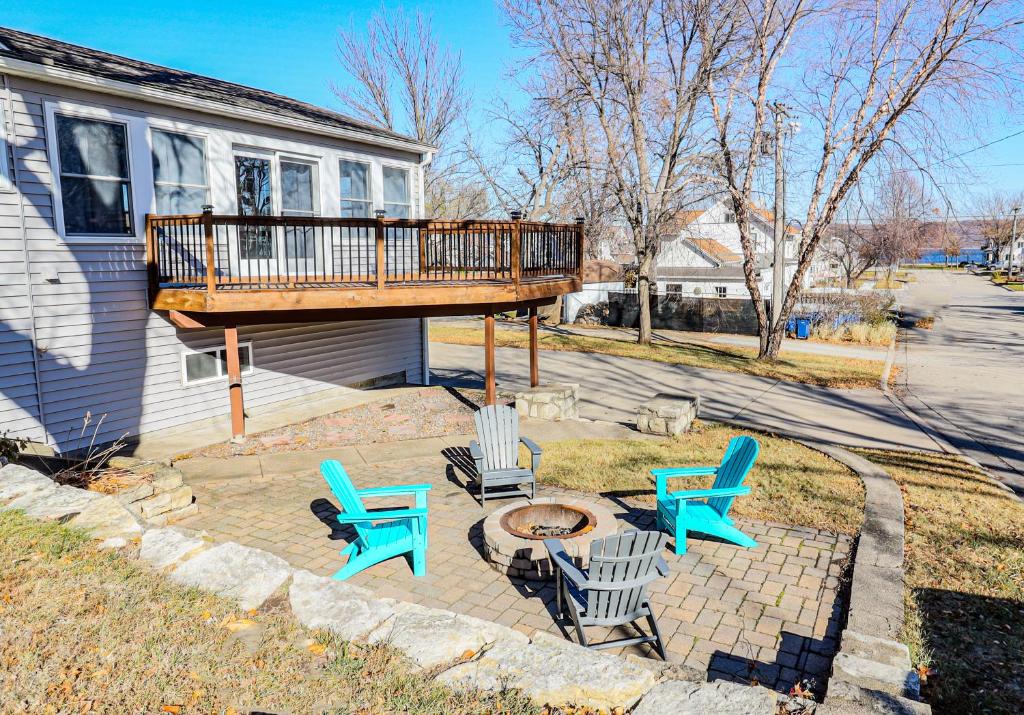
970	254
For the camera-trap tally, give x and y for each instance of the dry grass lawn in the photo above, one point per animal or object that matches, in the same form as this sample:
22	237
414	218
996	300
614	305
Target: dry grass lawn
829	371
791	484
86	631
965	582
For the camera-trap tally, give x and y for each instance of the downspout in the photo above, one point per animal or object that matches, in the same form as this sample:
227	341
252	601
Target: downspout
12	137
424	322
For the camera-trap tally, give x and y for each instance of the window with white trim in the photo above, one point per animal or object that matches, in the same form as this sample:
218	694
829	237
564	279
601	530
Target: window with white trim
94	175
730	217
721	291
180	182
675	288
6	178
199	366
355	189
397	202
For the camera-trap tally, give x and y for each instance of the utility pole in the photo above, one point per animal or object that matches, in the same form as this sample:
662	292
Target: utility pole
779	248
1013	243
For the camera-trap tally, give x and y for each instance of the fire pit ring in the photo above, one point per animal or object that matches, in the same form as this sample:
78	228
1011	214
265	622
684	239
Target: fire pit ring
514	534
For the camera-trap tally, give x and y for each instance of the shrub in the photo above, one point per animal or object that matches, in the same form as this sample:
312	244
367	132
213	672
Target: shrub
859	332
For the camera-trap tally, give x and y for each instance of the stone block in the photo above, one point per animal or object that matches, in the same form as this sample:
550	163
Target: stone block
349	611
59	504
164	502
682	697
848	699
872	675
431	637
667	414
107	518
880	650
549	402
166	547
17	481
243	574
553	670
134	494
167	479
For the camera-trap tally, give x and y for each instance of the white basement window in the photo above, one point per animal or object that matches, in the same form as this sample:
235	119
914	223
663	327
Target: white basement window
721	291
199	366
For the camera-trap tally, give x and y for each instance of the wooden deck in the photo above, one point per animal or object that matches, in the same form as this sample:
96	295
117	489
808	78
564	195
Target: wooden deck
208	269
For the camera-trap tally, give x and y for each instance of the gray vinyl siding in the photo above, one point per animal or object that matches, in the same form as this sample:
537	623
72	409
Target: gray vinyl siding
102	352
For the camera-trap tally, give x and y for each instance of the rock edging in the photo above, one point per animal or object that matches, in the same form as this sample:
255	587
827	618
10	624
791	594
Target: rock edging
872	671
458	650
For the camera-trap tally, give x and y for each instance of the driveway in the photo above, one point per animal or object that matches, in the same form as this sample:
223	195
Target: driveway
965	376
612	387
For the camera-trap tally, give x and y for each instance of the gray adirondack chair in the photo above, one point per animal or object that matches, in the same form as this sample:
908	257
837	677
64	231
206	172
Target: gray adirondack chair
496	455
612	591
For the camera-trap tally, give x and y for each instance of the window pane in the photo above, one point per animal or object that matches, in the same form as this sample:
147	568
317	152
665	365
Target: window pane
87	146
355	209
355	182
180	199
178	158
243	360
96	206
396	186
201	366
253	183
256	242
297	187
300	242
396	210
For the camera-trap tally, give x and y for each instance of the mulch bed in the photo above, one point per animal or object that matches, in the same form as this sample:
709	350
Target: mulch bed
427	412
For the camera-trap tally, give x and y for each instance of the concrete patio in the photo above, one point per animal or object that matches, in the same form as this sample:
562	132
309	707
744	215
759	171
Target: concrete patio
769	614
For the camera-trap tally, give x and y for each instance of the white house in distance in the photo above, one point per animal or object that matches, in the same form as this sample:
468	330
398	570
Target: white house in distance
124	298
705	258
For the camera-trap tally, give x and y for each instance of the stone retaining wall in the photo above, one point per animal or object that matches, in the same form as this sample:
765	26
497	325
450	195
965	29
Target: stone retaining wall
460	651
161	497
549	402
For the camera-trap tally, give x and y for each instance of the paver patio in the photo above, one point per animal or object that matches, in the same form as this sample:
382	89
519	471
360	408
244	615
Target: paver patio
770	613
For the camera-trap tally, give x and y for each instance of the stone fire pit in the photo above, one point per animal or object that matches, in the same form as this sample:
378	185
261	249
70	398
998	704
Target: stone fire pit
514	535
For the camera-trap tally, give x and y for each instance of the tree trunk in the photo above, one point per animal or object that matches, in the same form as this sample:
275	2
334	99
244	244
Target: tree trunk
643	294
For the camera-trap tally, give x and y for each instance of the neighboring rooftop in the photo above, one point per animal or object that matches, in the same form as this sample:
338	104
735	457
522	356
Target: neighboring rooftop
715	250
602	272
48	52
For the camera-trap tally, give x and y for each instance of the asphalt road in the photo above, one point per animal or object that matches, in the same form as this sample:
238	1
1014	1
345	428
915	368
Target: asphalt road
965	376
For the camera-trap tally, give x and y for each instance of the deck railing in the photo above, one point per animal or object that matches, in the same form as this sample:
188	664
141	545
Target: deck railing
224	252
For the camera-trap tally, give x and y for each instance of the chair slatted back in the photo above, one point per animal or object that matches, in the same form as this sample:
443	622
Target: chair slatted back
630	559
737	462
342	488
497	430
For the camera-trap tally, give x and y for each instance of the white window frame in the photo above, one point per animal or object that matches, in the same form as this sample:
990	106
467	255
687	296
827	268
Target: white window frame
140	173
721	291
287	158
407	168
6	176
171	128
369	184
678	288
185	382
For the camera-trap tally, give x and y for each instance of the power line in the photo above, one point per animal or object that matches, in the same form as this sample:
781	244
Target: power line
983	146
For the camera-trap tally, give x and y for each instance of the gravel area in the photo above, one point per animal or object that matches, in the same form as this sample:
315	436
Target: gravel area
426	412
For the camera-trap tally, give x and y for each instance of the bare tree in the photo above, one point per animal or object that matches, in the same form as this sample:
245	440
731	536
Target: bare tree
866	75
635	72
995	219
897	219
852	248
400	78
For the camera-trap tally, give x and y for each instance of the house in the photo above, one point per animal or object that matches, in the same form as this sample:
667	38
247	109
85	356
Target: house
167	239
703	256
599	277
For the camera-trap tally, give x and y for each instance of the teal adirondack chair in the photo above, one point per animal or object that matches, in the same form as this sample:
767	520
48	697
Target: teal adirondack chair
380	535
707	510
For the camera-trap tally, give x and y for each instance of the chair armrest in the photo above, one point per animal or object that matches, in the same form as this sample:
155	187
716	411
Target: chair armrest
711	493
478	456
398	489
382	515
535	452
561	560
662	566
661	476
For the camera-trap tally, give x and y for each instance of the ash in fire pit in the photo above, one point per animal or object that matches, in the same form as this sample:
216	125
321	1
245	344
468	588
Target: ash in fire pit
545	521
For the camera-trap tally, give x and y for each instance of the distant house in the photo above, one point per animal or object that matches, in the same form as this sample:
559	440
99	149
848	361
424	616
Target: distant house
166	237
599	277
704	257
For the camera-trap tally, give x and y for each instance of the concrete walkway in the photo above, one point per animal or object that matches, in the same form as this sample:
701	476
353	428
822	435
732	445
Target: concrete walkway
964	376
612	387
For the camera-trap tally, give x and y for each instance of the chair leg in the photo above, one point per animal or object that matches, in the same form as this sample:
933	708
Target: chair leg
579	629
659	645
680	532
419	561
533	489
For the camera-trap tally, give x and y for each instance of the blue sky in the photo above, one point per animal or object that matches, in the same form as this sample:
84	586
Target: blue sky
289	47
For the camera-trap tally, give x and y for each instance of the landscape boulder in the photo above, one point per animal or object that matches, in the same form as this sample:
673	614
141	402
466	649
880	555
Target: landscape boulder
246	575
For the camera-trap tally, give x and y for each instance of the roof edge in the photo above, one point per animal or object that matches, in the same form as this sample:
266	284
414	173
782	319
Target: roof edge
84	80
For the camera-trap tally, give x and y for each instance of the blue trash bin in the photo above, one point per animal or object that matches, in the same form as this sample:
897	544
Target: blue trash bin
803	328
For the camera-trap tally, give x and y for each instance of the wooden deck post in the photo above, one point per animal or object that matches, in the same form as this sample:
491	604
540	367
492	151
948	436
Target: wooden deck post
490	388
234	383
534	358
379	243
211	256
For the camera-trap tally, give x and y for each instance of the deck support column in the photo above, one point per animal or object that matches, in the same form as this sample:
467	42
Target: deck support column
234	383
490	388
534	358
